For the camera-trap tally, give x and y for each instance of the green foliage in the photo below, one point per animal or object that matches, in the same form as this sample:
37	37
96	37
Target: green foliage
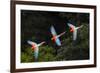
76	50
35	26
27	56
46	53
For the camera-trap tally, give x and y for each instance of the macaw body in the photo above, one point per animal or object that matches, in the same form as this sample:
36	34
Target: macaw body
35	47
55	37
74	30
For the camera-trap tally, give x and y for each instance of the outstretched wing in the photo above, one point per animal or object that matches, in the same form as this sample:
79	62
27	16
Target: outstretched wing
58	42
30	42
79	27
53	31
75	35
70	25
41	43
61	34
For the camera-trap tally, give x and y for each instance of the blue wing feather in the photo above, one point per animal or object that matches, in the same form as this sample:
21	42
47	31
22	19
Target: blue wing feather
58	42
53	31
36	55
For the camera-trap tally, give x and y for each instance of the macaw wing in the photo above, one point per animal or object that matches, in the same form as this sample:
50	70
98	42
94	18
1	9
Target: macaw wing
61	34
58	42
53	31
30	42
36	53
75	35
70	25
40	43
79	27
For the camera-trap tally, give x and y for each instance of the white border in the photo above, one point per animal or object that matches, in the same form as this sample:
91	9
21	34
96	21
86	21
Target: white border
58	63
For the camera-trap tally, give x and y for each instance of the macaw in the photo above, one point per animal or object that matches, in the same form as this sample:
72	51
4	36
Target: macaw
55	37
74	30
35	47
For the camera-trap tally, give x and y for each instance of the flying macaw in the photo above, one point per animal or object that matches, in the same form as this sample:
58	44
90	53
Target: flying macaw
35	47
55	37
74	30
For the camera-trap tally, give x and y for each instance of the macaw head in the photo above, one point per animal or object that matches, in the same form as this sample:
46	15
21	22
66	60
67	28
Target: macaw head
53	38
33	46
71	29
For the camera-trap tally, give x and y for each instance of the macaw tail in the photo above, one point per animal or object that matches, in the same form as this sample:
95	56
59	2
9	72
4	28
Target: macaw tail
36	56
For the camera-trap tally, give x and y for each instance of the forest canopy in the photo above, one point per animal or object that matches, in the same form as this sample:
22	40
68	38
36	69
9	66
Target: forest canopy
35	26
